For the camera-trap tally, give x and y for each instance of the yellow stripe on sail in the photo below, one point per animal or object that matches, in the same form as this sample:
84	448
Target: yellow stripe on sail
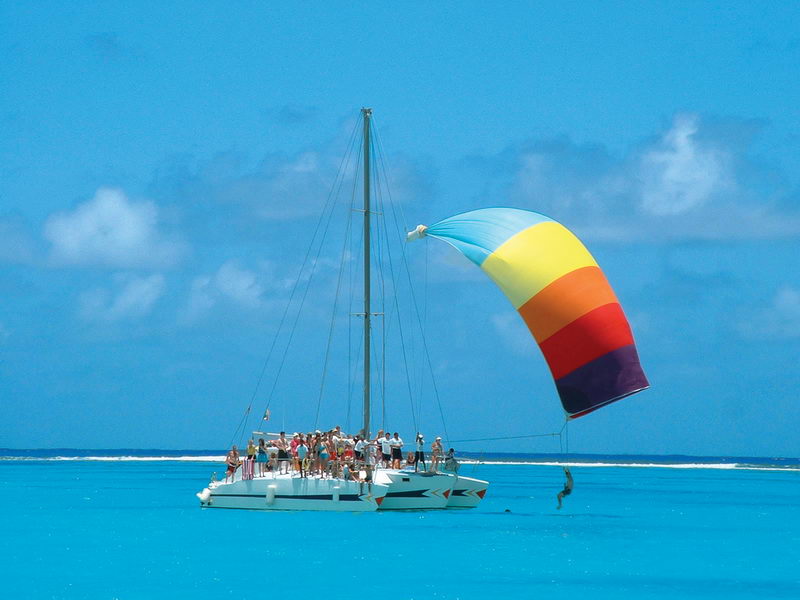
530	260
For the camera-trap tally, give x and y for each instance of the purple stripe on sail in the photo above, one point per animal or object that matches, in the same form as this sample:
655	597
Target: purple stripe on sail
602	381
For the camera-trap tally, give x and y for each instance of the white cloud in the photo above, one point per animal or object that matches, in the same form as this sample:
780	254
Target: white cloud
238	284
282	187
110	230
694	181
231	283
779	321
680	173
133	297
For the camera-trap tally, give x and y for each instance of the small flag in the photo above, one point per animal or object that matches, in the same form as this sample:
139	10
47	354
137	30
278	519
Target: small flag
266	415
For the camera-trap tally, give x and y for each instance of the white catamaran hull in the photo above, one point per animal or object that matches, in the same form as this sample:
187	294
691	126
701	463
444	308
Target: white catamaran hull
467	492
414	491
285	492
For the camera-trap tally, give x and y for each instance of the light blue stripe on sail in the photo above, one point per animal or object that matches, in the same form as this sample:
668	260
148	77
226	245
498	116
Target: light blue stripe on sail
478	233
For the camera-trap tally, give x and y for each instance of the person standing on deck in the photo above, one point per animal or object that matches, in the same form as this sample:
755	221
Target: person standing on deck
419	455
302	453
233	462
397	451
293	450
359	449
567	487
251	450
436	453
386	451
282	444
261	457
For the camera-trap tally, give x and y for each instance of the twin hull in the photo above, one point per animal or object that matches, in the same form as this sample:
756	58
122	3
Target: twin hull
285	492
391	490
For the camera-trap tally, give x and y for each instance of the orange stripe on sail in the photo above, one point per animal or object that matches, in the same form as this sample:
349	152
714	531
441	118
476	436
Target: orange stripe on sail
567	298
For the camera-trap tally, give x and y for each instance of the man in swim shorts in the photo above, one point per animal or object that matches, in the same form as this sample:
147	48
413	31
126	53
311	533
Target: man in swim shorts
282	444
396	445
567	487
386	451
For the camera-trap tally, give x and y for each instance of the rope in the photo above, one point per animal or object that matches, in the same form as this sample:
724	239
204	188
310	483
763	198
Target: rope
411	289
508	437
399	320
339	178
335	305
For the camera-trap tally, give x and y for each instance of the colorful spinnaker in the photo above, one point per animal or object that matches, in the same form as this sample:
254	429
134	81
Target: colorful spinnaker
561	294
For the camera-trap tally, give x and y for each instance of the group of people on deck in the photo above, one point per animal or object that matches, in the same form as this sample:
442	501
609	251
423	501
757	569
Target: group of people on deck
332	454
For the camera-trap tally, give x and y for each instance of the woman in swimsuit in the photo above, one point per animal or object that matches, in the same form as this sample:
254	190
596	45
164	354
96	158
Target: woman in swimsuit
436	453
261	457
323	456
232	460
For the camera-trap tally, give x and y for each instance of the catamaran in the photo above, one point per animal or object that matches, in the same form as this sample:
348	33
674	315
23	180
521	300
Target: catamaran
378	489
565	300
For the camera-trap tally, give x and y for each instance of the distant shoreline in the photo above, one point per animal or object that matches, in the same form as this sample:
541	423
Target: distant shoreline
495	458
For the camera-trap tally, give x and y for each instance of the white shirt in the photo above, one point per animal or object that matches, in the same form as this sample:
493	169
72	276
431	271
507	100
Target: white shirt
396	442
360	446
386	446
420	445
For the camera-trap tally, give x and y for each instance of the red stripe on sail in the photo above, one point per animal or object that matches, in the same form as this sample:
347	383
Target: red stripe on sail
588	337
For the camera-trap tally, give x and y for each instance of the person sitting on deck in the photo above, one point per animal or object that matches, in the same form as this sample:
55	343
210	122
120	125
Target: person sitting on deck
450	462
348	451
567	487
233	462
410	460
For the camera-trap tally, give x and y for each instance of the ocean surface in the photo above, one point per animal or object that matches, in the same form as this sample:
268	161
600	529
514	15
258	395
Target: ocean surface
125	524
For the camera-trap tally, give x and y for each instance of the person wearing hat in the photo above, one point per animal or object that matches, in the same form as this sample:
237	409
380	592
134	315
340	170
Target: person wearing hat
419	455
436	453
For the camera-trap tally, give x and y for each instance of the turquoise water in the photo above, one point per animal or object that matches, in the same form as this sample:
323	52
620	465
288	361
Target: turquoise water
133	530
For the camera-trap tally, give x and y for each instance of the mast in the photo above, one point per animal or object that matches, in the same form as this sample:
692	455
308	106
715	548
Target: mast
367	114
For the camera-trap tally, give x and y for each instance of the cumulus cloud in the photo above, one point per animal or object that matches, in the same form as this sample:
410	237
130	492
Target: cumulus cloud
230	283
696	180
282	187
111	230
680	174
778	321
132	297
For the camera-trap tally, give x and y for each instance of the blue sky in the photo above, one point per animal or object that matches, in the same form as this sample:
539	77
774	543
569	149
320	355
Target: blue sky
162	168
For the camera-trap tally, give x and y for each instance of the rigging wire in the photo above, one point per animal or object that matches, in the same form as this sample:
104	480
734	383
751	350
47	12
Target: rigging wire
339	173
411	286
557	434
335	302
399	320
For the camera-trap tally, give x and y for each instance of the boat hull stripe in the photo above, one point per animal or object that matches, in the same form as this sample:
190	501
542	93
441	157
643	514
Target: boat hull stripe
342	497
